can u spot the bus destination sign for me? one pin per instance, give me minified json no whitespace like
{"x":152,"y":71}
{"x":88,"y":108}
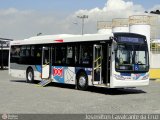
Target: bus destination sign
{"x":130,"y":40}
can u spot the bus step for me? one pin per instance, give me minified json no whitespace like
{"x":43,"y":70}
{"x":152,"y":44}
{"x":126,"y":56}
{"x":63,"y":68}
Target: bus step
{"x":43,"y":83}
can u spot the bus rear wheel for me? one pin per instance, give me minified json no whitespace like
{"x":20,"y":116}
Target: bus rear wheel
{"x":82,"y":81}
{"x":30,"y":76}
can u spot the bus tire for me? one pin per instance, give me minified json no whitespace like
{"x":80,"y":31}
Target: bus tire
{"x":82,"y":81}
{"x":30,"y":75}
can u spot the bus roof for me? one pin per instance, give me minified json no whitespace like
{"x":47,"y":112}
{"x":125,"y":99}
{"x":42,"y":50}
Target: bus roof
{"x":62,"y":38}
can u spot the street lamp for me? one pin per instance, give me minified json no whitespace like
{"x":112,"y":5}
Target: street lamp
{"x":82,"y":17}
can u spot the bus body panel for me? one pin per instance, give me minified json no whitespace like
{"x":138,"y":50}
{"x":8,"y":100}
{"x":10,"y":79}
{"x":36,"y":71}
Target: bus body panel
{"x":126,"y":79}
{"x":59,"y":74}
{"x":120,"y":80}
{"x":19,"y":71}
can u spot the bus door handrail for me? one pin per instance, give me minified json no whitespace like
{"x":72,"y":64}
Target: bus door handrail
{"x":97,"y":59}
{"x":98,"y":66}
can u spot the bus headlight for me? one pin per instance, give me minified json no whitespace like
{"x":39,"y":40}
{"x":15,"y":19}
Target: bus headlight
{"x":119,"y":77}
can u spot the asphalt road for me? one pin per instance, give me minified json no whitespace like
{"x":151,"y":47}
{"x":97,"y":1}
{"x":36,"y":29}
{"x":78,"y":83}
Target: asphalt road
{"x":17,"y":96}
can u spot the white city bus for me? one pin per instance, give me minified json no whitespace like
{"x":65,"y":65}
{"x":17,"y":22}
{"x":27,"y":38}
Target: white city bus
{"x":117,"y":60}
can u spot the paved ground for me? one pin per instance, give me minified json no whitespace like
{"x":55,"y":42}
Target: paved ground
{"x":20,"y":97}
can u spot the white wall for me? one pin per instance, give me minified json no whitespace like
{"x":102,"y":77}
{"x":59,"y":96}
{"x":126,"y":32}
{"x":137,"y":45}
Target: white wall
{"x":154,"y":60}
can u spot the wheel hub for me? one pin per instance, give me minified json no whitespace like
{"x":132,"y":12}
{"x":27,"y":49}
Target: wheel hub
{"x":30,"y":76}
{"x":82,"y":81}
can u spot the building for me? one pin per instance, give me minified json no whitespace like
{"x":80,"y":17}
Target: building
{"x":4,"y":52}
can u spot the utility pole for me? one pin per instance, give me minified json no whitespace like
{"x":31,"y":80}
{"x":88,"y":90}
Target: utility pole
{"x":82,"y":17}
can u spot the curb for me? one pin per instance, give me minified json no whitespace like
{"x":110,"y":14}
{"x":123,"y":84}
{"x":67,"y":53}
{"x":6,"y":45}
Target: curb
{"x":153,"y":79}
{"x":158,"y":80}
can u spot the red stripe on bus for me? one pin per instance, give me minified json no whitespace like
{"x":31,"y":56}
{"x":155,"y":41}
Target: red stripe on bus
{"x":58,"y":40}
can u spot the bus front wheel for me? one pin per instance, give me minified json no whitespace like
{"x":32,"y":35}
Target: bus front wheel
{"x":82,"y":81}
{"x":30,"y":75}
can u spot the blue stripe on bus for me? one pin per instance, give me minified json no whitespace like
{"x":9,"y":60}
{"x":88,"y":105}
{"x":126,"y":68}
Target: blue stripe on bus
{"x":87,"y":70}
{"x":125,"y":74}
{"x":38,"y":68}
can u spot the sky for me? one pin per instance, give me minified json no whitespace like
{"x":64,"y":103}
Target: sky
{"x":20,"y":19}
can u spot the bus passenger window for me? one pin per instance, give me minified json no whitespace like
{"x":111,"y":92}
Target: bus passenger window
{"x":38,"y":51}
{"x":60,"y":57}
{"x":28,"y":51}
{"x":15,"y":51}
{"x":86,"y":58}
{"x":37,"y":54}
{"x":86,"y":55}
{"x":70,"y":56}
{"x":53,"y":55}
{"x":32,"y":51}
{"x":76,"y":55}
{"x":23,"y":51}
{"x":15,"y":54}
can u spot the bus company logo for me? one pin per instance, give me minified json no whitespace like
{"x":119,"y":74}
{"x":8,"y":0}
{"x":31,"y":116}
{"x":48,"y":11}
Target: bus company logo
{"x":4,"y":116}
{"x":58,"y":72}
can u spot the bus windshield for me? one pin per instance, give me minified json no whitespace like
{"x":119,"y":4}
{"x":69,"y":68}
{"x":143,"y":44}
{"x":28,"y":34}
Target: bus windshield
{"x":132,"y":58}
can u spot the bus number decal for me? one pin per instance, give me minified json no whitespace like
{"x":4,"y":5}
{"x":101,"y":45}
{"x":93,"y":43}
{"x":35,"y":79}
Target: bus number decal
{"x":58,"y":72}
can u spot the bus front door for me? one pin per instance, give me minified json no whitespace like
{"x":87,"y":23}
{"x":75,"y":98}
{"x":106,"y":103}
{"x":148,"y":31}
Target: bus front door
{"x":45,"y":63}
{"x":97,"y":64}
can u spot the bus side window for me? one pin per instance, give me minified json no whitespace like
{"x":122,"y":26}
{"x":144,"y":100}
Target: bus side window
{"x":76,"y":55}
{"x":86,"y":58}
{"x":38,"y":51}
{"x":37,"y":54}
{"x":28,"y":51}
{"x":23,"y":51}
{"x":15,"y":51}
{"x":15,"y":54}
{"x":60,"y":55}
{"x":32,"y":50}
{"x":53,"y":55}
{"x":86,"y":54}
{"x":70,"y":55}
